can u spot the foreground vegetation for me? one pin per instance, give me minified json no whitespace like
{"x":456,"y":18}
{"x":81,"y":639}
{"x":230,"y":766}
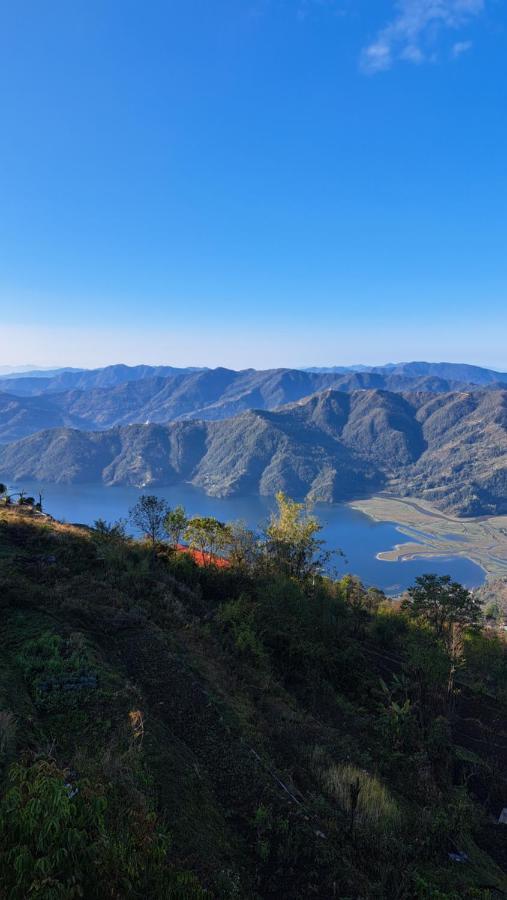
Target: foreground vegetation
{"x":251,"y":731}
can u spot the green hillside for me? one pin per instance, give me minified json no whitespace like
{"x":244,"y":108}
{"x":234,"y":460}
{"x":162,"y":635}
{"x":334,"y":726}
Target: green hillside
{"x":255,"y":731}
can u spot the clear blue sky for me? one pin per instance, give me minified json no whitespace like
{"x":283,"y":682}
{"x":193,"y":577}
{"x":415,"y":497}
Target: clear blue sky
{"x":253,"y":182}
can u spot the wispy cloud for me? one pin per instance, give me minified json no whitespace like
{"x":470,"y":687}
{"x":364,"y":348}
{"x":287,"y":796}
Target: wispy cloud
{"x":413,"y":28}
{"x":460,"y":47}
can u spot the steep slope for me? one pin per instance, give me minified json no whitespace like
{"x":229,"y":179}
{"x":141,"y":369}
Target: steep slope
{"x":20,"y":416}
{"x":465,"y":464}
{"x":177,"y":732}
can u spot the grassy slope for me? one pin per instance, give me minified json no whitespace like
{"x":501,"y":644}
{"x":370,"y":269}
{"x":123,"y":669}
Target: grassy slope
{"x":244,"y":740}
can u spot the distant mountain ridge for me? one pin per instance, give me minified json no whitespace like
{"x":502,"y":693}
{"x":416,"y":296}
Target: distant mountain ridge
{"x":462,"y":372}
{"x":57,"y":380}
{"x":27,"y":381}
{"x":448,"y":448}
{"x":120,"y":395}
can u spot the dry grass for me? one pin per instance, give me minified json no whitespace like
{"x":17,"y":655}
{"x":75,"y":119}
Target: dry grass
{"x":377,"y":810}
{"x":27,"y":516}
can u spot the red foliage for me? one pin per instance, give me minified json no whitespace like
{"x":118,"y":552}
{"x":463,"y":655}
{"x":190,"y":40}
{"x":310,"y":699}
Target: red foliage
{"x":204,"y":559}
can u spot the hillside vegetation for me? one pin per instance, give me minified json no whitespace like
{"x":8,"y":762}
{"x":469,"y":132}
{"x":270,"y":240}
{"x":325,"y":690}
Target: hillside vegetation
{"x":251,"y":731}
{"x":449,"y":449}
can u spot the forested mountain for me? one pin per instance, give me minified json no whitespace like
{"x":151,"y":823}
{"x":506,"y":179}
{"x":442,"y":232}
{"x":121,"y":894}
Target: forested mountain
{"x":122,"y":396}
{"x":448,"y":448}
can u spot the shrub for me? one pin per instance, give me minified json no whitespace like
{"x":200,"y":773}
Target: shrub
{"x":47,"y":839}
{"x":239,"y":618}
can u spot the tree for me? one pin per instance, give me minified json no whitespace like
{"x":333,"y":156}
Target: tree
{"x":444,"y":604}
{"x":355,"y":596}
{"x":292,"y":545}
{"x":148,"y":516}
{"x":243,"y":546}
{"x":175,"y":524}
{"x":3,"y":489}
{"x":208,"y":536}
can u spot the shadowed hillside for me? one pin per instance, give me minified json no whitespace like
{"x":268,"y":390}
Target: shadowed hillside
{"x":176,"y":731}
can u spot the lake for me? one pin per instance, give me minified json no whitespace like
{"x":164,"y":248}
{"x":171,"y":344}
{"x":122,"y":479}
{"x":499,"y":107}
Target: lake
{"x":359,"y":537}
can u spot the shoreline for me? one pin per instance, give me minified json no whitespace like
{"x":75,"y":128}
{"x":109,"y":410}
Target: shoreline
{"x":408,"y":557}
{"x":435,"y":535}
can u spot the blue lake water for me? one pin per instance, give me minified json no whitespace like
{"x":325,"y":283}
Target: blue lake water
{"x":358,"y":536}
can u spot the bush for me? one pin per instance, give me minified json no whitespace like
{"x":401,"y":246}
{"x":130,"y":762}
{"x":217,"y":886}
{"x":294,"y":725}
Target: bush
{"x":238,"y":617}
{"x":48,"y":840}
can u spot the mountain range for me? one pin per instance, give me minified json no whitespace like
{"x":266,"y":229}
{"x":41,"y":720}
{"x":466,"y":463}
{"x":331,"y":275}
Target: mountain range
{"x":449,"y":448}
{"x":121,"y":395}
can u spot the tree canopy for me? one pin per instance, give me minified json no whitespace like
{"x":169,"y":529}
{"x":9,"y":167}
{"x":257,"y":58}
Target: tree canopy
{"x":148,"y":515}
{"x":175,"y":523}
{"x":208,"y":536}
{"x":292,"y":543}
{"x":443,"y":603}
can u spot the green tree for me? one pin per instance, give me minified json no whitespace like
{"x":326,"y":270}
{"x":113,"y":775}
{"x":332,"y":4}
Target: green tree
{"x":148,"y":516}
{"x":444,"y":604}
{"x":208,"y":536}
{"x":292,"y":545}
{"x":175,"y":524}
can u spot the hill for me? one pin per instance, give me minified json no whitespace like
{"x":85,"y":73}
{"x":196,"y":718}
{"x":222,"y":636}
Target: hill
{"x":450,"y":449}
{"x":193,"y":733}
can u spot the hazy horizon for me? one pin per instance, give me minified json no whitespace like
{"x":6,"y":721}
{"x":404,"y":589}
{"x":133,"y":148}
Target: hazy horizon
{"x":23,"y":368}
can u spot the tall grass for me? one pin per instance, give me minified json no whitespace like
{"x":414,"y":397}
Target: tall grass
{"x":377,"y":810}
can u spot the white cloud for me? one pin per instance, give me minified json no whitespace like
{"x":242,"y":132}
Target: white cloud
{"x":460,"y":47}
{"x":413,"y":26}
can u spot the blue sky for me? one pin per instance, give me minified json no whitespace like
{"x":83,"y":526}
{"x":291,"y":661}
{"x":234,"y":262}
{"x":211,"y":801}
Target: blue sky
{"x":253,"y":182}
